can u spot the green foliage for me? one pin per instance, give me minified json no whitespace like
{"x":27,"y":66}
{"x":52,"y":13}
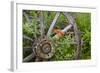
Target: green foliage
{"x":84,"y":22}
{"x":64,"y":49}
{"x":86,"y":51}
{"x":48,"y":17}
{"x":27,"y":30}
{"x":63,"y":46}
{"x":61,"y":22}
{"x":31,"y":29}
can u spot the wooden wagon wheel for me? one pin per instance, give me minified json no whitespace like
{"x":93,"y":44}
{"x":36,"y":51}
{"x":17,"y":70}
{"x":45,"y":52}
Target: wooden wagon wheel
{"x":45,"y":43}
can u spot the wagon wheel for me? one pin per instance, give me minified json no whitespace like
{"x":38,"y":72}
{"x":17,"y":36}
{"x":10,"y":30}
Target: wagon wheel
{"x":43,"y":45}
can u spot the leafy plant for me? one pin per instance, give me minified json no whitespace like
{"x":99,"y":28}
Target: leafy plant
{"x":63,"y":46}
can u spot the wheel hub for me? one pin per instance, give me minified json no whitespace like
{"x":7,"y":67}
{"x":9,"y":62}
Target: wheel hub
{"x":44,"y":48}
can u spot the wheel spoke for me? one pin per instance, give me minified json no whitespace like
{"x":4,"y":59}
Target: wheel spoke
{"x":28,"y":38}
{"x":53,"y":23}
{"x":69,"y":33}
{"x":29,"y":57}
{"x":27,"y":47}
{"x":67,"y":28}
{"x":41,"y":18}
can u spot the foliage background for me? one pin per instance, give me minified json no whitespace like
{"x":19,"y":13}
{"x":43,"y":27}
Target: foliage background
{"x":65,"y":50}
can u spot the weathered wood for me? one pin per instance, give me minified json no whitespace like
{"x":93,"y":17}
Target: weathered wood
{"x":29,"y":57}
{"x":53,"y":23}
{"x":27,"y":49}
{"x":67,"y":28}
{"x":28,"y":38}
{"x":41,"y":17}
